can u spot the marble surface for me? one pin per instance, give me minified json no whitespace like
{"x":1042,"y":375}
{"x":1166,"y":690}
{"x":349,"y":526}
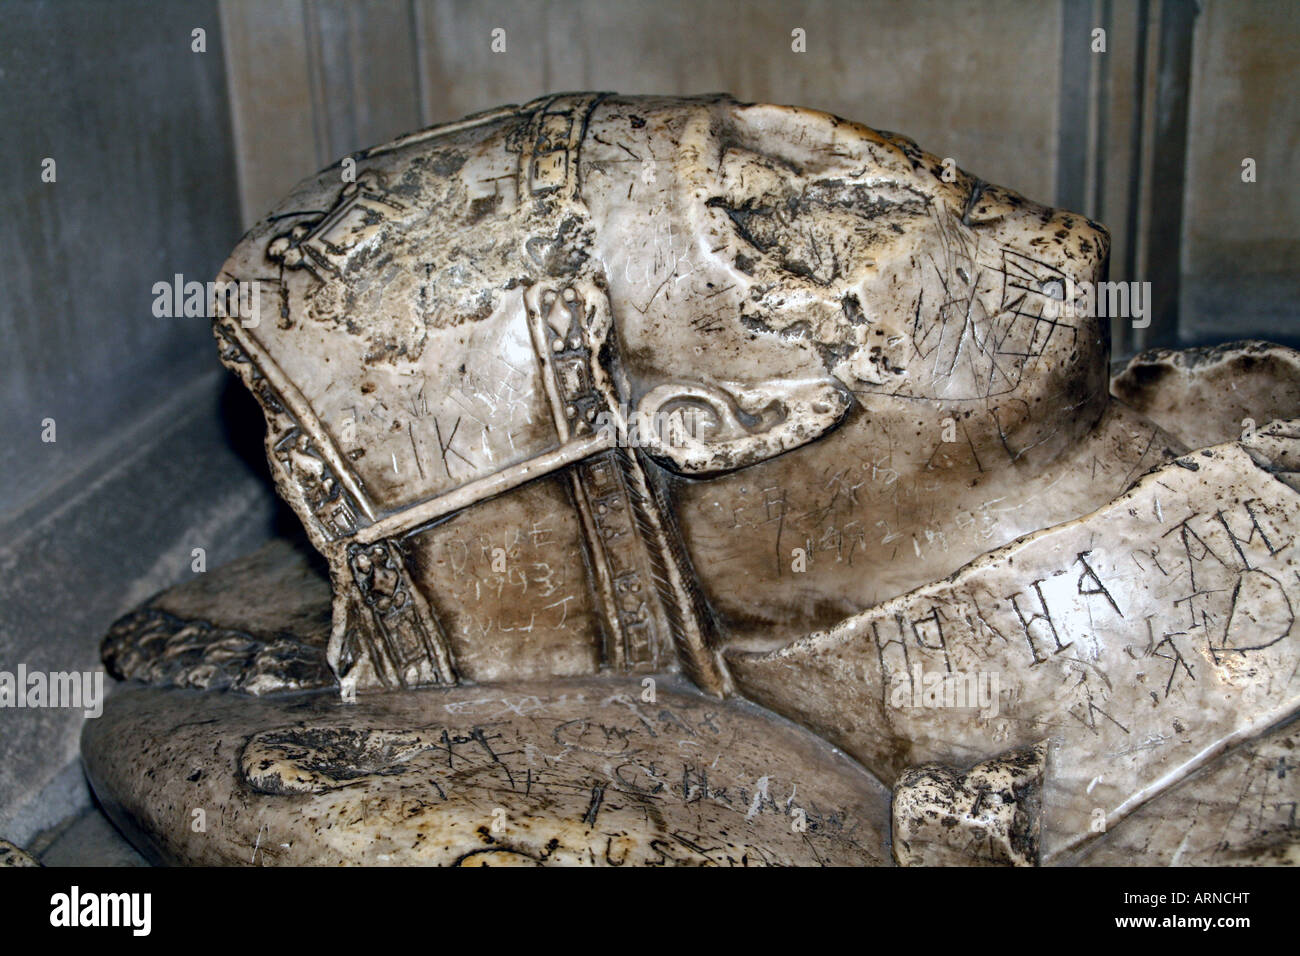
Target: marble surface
{"x":573,"y":772}
{"x":1239,"y":810}
{"x":761,"y":405}
{"x":852,"y":329}
{"x":1210,"y":395}
{"x":990,"y":815}
{"x":1143,"y":640}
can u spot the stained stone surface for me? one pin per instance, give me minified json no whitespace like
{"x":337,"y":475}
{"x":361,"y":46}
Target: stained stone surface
{"x":452,"y":346}
{"x":989,"y":815}
{"x":1209,"y":395}
{"x":257,"y":625}
{"x":1238,"y":811}
{"x":1144,"y":639}
{"x":570,"y":772}
{"x":11,"y":855}
{"x":603,"y":387}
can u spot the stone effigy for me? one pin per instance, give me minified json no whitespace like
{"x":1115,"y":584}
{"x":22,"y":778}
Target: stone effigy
{"x":654,"y":454}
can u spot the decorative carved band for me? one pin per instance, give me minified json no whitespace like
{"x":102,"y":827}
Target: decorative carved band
{"x":407,"y":646}
{"x":638,"y":563}
{"x":549,"y":163}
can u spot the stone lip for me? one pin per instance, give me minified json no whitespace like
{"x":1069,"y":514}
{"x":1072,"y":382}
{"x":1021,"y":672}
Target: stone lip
{"x":573,"y":772}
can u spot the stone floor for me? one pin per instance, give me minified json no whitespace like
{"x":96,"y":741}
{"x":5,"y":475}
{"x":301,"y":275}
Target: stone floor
{"x":85,"y":840}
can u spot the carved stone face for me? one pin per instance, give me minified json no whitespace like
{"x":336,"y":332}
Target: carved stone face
{"x":455,"y":331}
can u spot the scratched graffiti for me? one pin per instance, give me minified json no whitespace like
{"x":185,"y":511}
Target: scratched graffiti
{"x":618,"y":746}
{"x":514,"y":599}
{"x":1134,"y":654}
{"x":570,"y":772}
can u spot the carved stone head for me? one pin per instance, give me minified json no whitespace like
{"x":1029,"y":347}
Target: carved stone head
{"x":553,"y":388}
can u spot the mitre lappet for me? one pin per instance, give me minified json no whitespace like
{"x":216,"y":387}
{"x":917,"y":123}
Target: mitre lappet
{"x":698,"y":481}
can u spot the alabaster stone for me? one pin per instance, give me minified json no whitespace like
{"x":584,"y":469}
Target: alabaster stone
{"x":989,"y":815}
{"x":1211,"y":395}
{"x":1142,"y":639}
{"x":257,"y":625}
{"x":481,"y":343}
{"x":1240,"y":810}
{"x":780,"y":414}
{"x":13,"y":856}
{"x":572,"y":771}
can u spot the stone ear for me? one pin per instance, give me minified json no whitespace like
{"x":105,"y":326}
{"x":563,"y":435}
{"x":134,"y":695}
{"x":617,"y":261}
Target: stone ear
{"x":702,"y":429}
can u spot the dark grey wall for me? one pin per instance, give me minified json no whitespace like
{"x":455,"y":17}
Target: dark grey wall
{"x":143,"y":468}
{"x":140,"y":131}
{"x":1242,"y":242}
